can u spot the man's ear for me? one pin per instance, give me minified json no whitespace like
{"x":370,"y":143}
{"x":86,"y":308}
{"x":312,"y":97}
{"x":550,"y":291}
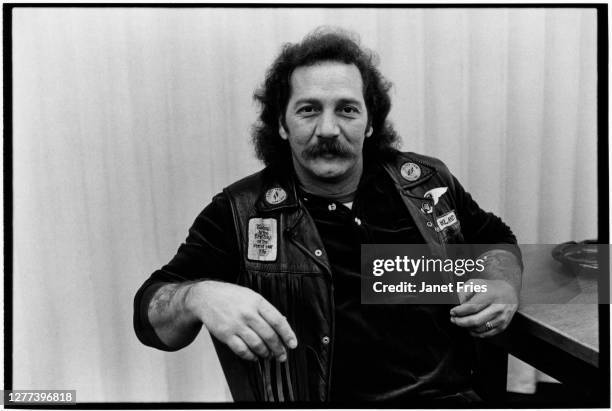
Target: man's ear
{"x":282,"y":131}
{"x":369,"y":132}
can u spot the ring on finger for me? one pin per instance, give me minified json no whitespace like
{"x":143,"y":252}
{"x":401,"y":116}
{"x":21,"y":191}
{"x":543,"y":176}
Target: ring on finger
{"x":489,"y":326}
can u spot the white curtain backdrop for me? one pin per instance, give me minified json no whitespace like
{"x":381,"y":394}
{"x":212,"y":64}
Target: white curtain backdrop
{"x":128,"y":120}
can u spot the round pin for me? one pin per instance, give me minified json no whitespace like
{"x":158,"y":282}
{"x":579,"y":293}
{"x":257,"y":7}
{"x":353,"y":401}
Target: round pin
{"x":410,"y":171}
{"x":276,"y":195}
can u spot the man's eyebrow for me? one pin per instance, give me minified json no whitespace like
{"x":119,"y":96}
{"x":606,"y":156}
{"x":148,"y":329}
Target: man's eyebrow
{"x":316,"y":101}
{"x":306,"y":101}
{"x":350,"y":101}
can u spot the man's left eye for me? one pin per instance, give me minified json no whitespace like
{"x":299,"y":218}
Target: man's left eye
{"x":349,"y":110}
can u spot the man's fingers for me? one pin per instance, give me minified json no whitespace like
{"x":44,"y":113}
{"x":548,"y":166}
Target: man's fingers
{"x":464,"y":296}
{"x":255,"y":343}
{"x":269,"y":337}
{"x":486,"y":308}
{"x":467,"y":309}
{"x":493,"y":323}
{"x":474,"y":303}
{"x":476,"y":320}
{"x":279,"y":323}
{"x":240,"y":348}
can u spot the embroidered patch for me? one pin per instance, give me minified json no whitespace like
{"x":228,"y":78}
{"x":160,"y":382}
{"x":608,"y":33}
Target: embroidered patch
{"x":410,"y":171}
{"x":447,"y":220}
{"x":276,"y":195}
{"x":263,"y":242}
{"x":436,"y":193}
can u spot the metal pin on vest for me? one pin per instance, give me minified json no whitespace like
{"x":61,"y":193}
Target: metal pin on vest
{"x":410,"y":171}
{"x":275,"y":195}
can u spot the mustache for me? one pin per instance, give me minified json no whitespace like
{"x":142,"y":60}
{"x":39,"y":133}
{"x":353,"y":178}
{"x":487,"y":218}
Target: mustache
{"x":328,"y":147}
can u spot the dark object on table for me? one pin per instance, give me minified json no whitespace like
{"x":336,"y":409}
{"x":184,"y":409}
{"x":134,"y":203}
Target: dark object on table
{"x":579,"y":257}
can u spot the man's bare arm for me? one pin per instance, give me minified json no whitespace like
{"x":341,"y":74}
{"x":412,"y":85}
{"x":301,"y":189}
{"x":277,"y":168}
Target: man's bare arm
{"x":174,"y":324}
{"x":235,"y":315}
{"x":502,"y":265}
{"x":489,"y":313}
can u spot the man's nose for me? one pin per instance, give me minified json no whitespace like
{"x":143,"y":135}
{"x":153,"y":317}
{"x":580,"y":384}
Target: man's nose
{"x":327,"y":126}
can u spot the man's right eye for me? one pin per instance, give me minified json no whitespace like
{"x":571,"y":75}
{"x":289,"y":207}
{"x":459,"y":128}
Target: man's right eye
{"x":307,"y":110}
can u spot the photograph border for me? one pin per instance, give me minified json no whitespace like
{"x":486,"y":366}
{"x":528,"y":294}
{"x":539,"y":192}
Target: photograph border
{"x":603,"y":217}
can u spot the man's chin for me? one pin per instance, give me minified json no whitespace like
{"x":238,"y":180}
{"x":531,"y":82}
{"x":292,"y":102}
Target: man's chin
{"x":329,"y":172}
{"x":329,"y":176}
{"x":328,"y":169}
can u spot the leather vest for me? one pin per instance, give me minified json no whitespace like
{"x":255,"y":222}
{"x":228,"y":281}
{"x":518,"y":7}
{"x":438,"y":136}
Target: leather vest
{"x":284,"y":260}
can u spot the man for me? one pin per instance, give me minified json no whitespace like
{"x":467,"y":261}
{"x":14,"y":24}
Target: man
{"x":271,"y":267}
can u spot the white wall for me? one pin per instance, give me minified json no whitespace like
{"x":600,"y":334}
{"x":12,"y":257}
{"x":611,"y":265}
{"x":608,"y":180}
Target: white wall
{"x":127,"y":121}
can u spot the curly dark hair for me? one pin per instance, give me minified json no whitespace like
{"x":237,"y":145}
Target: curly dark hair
{"x":323,"y":44}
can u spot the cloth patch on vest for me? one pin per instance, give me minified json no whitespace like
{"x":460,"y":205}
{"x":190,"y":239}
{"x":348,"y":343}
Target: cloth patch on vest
{"x":447,"y":220}
{"x":263,"y":241}
{"x":410,"y":171}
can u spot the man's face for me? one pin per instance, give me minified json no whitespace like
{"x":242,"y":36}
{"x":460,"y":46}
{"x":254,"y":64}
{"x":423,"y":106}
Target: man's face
{"x":326,"y":120}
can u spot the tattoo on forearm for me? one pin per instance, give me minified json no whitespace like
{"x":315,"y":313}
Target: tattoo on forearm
{"x":503,"y":265}
{"x":499,"y":260}
{"x":162,"y":298}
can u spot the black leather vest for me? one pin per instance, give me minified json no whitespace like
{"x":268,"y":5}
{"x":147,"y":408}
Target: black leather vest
{"x":284,"y":260}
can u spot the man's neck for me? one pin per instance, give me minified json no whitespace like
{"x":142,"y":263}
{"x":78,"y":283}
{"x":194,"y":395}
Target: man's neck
{"x":339,"y":189}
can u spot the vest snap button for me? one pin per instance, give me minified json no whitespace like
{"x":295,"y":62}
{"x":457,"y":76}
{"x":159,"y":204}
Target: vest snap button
{"x":357,"y":221}
{"x":325,"y":340}
{"x":331,"y":207}
{"x":429,"y":224}
{"x":318,"y":252}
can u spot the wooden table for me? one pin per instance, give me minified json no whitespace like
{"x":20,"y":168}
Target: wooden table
{"x":556,"y":328}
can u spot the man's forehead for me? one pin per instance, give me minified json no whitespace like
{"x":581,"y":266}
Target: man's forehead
{"x":327,"y":78}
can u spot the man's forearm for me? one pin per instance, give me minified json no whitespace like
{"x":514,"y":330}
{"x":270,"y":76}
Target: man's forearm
{"x":502,"y":265}
{"x":173,"y":323}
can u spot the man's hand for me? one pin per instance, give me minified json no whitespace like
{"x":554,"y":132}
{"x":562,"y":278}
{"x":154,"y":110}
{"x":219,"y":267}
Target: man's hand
{"x":242,"y":319}
{"x":486,"y":313}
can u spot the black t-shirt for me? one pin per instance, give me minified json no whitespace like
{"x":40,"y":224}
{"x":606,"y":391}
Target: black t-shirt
{"x":381,"y":352}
